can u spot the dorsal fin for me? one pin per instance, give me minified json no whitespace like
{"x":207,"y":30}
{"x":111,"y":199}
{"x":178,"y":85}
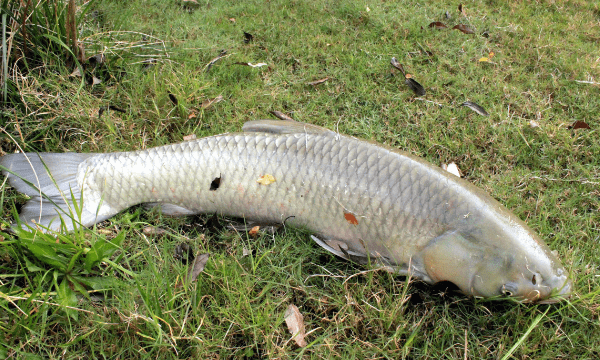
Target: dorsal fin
{"x":283,"y":127}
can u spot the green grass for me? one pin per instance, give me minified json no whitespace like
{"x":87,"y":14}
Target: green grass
{"x":548,"y":175}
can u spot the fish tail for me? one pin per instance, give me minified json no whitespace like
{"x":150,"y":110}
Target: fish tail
{"x":51,"y":182}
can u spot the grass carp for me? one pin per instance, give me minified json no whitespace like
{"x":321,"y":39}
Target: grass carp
{"x":365,"y":202}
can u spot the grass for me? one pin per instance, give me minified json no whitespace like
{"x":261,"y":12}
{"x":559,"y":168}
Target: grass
{"x":545,"y":69}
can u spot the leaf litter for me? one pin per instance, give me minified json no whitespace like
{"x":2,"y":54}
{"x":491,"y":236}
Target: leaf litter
{"x":295,"y":323}
{"x":579,"y":125}
{"x":197,"y":267}
{"x":475,"y":107}
{"x":408,"y":79}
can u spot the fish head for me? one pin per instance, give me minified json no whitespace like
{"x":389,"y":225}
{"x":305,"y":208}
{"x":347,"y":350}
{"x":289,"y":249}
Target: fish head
{"x":520,"y":266}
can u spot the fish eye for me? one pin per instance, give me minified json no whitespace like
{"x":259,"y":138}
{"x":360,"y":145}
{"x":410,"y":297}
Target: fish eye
{"x":509,"y":289}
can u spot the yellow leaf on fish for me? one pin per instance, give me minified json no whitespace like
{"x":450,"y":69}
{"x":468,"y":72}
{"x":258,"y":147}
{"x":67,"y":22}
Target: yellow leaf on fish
{"x":266,"y":179}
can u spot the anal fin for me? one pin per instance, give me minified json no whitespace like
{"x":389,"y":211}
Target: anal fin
{"x":171,"y":210}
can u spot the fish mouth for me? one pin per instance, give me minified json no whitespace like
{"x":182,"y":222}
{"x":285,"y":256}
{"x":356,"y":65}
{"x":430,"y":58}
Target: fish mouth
{"x":559,"y":294}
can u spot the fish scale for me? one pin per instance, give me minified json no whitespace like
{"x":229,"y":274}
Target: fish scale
{"x":364,"y":201}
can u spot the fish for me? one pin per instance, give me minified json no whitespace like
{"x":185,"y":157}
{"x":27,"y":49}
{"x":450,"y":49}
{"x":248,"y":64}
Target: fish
{"x":362,"y":201}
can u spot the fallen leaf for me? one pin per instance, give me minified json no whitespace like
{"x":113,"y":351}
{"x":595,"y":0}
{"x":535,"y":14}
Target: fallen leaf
{"x":484,"y":59}
{"x":579,"y":125}
{"x":415,"y":86}
{"x":197,"y":267}
{"x":295,"y":323}
{"x":266,"y":179}
{"x":491,"y":55}
{"x":232,"y":20}
{"x":533,"y":124}
{"x":210,"y":102}
{"x":213,"y":61}
{"x":452,"y":168}
{"x":246,"y":252}
{"x":438,"y":25}
{"x":173,"y":99}
{"x":398,"y":66}
{"x":350,"y":218}
{"x":478,"y":109}
{"x":96,"y":81}
{"x":317,"y":82}
{"x":151,"y":230}
{"x":254,"y":231}
{"x":189,"y":137}
{"x":248,"y":37}
{"x":76,"y":72}
{"x":214,"y":185}
{"x":115,"y":108}
{"x":192,"y":115}
{"x":461,"y":9}
{"x":281,"y":116}
{"x":448,"y":15}
{"x":464,"y":28}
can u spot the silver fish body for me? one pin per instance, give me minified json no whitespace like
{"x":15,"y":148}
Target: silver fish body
{"x":363,"y":201}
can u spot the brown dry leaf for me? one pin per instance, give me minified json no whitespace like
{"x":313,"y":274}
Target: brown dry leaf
{"x":398,"y":66}
{"x":189,"y":137}
{"x":438,"y":25}
{"x":210,"y":102}
{"x":295,"y":323}
{"x":76,"y":72}
{"x":281,"y":116}
{"x":491,"y":55}
{"x":464,"y":28}
{"x":254,"y":231}
{"x":151,"y":230}
{"x":95,"y":80}
{"x":197,"y":267}
{"x":192,"y":115}
{"x":317,"y":82}
{"x":266,"y":179}
{"x":579,"y":125}
{"x":350,"y":218}
{"x":414,"y":86}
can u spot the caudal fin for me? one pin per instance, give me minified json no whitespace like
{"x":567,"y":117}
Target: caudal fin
{"x":51,"y":182}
